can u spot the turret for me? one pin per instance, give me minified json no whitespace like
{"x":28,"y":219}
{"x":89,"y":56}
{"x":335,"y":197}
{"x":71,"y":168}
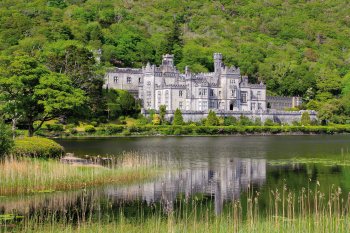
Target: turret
{"x":168,"y":60}
{"x":217,"y":62}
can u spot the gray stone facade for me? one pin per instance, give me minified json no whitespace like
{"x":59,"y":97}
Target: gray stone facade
{"x":225,"y":89}
{"x":274,"y":115}
{"x":283,"y":102}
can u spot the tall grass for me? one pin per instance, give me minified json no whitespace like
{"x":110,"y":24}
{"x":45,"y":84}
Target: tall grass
{"x":30,"y":175}
{"x":305,"y":210}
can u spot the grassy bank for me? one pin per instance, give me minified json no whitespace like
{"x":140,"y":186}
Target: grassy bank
{"x":221,"y":225}
{"x":192,"y":130}
{"x":306,"y":210}
{"x":24,"y":175}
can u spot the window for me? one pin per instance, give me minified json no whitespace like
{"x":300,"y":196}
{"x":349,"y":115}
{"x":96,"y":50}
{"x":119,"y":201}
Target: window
{"x":140,"y":80}
{"x":244,"y":97}
{"x":219,"y":93}
{"x":232,"y":81}
{"x":166,"y":97}
{"x":180,"y":93}
{"x":180,"y":105}
{"x":159,"y":97}
{"x":212,"y":104}
{"x":128,"y":80}
{"x":116,"y":79}
{"x":205,"y":105}
{"x":211,"y":92}
{"x":253,"y":106}
{"x":202,"y":92}
{"x":259,"y":106}
{"x":258,"y":95}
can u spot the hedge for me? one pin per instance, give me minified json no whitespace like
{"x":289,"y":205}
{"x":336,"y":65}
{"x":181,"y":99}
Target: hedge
{"x":37,"y":147}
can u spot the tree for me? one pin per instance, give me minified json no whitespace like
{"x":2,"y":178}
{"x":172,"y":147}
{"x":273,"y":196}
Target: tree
{"x":178,"y":119}
{"x":162,"y":112}
{"x":6,"y":142}
{"x":305,"y":118}
{"x":212,"y":119}
{"x":38,"y":94}
{"x":156,"y":119}
{"x":121,"y":103}
{"x":174,"y":42}
{"x":79,"y":65}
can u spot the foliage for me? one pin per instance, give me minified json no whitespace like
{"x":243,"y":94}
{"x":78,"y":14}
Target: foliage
{"x":230,"y":121}
{"x":121,"y":103}
{"x":269,"y":122}
{"x":156,"y":119}
{"x":298,"y":48}
{"x":162,"y":112}
{"x":36,"y":93}
{"x":212,"y":119}
{"x":243,"y":120}
{"x":6,"y":142}
{"x":113,"y":129}
{"x":37,"y":147}
{"x":33,"y":175}
{"x":90,"y":129}
{"x":178,"y":119}
{"x":305,"y":118}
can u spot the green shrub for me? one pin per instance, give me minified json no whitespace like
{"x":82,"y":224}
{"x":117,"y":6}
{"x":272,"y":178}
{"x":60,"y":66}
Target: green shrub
{"x":305,"y":118}
{"x":94,"y":123}
{"x":113,"y":129}
{"x":243,"y":120}
{"x":90,"y":129}
{"x":6,"y":142}
{"x":212,"y":119}
{"x":230,"y":121}
{"x":54,"y":127}
{"x":73,"y":131}
{"x":37,"y":147}
{"x":126,"y":132}
{"x":269,"y":122}
{"x":178,"y":119}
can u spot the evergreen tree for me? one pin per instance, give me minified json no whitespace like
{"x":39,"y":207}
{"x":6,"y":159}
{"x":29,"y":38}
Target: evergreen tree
{"x":178,"y":119}
{"x":305,"y":118}
{"x":174,"y":42}
{"x":212,"y":119}
{"x":162,"y":112}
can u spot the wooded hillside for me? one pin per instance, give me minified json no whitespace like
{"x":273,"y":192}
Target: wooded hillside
{"x":297,"y":47}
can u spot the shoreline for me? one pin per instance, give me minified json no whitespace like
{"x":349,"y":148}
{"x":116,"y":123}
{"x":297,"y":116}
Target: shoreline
{"x":184,"y":135}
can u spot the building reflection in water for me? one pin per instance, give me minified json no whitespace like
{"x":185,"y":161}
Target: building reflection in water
{"x":223,"y":179}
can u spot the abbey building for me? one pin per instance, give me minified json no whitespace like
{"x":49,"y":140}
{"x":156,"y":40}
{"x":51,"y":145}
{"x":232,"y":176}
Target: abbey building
{"x":225,"y":89}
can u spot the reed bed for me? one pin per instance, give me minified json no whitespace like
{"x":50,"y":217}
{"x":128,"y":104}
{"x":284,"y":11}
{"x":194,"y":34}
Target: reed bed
{"x":305,"y":210}
{"x":32,"y":175}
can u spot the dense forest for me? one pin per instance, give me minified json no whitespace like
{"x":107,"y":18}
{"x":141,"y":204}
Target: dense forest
{"x":296,"y":47}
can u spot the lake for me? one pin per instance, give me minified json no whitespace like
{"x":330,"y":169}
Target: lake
{"x":215,"y":170}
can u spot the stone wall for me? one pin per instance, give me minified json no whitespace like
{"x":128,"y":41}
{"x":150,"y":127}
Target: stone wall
{"x":276,"y":116}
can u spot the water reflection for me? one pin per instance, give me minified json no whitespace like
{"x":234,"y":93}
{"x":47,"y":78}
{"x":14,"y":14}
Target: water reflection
{"x":223,"y":182}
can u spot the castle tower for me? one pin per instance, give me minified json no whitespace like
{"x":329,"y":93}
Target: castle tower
{"x":217,"y":62}
{"x":168,"y":60}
